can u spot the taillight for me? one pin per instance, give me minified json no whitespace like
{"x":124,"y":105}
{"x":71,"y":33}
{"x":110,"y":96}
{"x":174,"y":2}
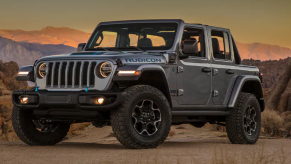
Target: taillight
{"x":261,"y":77}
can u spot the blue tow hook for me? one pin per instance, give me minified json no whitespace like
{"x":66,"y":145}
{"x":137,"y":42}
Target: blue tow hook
{"x":86,"y":90}
{"x":36,"y":89}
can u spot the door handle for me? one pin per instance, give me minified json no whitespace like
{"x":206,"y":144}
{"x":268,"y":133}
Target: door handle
{"x":206,"y":69}
{"x":229,"y":71}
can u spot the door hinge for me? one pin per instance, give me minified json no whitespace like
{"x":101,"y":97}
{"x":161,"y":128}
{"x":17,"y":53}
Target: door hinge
{"x":180,"y":92}
{"x":214,"y":93}
{"x":180,"y":69}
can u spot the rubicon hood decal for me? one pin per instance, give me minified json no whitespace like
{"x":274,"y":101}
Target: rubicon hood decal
{"x":143,"y":60}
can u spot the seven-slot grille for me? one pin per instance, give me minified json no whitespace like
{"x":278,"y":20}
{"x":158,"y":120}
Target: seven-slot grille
{"x":71,"y":74}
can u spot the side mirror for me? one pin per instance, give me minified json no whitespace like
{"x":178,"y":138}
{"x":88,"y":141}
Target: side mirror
{"x":25,"y":73}
{"x":81,"y":47}
{"x":181,"y":57}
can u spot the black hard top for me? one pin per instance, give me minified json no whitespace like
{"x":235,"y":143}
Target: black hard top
{"x":178,"y":21}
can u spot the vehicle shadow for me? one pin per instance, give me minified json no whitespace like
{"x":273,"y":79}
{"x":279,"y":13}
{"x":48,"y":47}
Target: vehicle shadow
{"x":167,"y":144}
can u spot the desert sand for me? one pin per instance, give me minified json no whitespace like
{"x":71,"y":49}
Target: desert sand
{"x":185,"y":144}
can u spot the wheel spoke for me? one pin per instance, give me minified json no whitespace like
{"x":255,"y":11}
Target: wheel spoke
{"x":249,"y":120}
{"x":146,"y":117}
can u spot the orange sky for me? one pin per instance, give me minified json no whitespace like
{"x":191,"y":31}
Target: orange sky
{"x":264,"y":21}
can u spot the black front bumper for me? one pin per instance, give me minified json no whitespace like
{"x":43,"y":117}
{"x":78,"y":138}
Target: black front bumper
{"x":79,"y":100}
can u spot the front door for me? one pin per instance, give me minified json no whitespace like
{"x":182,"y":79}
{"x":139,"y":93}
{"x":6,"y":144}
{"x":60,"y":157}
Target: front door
{"x":194,"y":73}
{"x":194,"y":82}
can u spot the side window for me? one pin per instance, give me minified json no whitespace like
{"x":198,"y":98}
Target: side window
{"x":220,"y":45}
{"x":193,"y":43}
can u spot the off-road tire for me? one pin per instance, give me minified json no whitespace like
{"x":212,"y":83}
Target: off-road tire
{"x":27,"y":132}
{"x":121,"y":118}
{"x":235,"y":121}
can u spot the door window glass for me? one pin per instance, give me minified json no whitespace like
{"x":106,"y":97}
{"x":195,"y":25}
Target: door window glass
{"x":220,"y":45}
{"x":193,"y":43}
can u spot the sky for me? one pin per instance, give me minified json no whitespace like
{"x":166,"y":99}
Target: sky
{"x":264,"y":21}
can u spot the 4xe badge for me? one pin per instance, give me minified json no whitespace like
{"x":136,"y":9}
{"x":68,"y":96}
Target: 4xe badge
{"x":173,"y":92}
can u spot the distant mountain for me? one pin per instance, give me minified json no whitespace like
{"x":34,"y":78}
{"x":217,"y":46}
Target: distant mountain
{"x":259,"y":51}
{"x":48,"y":35}
{"x":26,"y":53}
{"x":72,"y":37}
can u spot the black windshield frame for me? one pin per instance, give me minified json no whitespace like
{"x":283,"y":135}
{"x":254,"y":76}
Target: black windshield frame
{"x":167,"y":31}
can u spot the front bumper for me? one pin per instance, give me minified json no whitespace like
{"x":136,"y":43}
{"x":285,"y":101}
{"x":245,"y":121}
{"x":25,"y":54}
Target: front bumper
{"x":79,"y":100}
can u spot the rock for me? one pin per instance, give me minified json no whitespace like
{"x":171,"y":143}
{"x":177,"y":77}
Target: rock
{"x":279,"y":96}
{"x":2,"y":75}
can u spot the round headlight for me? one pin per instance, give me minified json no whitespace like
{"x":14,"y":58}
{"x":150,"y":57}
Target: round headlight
{"x":42,"y":70}
{"x":105,"y":69}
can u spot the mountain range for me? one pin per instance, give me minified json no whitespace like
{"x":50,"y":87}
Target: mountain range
{"x":26,"y":46}
{"x":48,"y":35}
{"x":26,"y":53}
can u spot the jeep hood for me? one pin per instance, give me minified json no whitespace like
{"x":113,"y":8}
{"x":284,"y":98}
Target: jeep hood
{"x":125,"y":57}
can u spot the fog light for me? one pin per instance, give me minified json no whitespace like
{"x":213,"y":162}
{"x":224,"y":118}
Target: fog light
{"x":24,"y":100}
{"x":99,"y":100}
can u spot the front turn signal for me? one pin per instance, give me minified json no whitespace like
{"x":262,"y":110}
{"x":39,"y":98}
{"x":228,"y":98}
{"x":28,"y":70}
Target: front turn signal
{"x":128,"y":73}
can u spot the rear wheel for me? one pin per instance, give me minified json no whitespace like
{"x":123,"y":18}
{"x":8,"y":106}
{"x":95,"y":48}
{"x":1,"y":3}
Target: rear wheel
{"x":34,"y":131}
{"x":144,"y":119}
{"x":243,"y":126}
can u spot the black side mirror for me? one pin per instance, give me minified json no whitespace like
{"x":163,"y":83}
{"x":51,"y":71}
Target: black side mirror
{"x":81,"y":47}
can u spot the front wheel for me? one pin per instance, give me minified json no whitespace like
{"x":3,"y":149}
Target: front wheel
{"x":144,"y":119}
{"x":243,"y":126}
{"x":35,"y":132}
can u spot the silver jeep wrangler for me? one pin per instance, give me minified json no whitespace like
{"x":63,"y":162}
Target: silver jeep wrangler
{"x":141,"y":77}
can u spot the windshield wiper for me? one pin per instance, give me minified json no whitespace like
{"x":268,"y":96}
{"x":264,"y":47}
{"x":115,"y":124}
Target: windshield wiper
{"x":93,"y":49}
{"x":137,"y":48}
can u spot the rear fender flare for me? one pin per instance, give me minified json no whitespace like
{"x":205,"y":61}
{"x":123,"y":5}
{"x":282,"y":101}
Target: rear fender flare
{"x":238,"y":86}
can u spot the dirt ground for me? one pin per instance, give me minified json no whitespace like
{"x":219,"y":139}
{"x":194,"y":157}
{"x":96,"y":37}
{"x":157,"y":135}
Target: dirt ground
{"x":186,"y":144}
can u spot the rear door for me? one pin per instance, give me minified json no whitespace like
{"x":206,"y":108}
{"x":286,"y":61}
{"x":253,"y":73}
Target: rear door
{"x":223,"y":65}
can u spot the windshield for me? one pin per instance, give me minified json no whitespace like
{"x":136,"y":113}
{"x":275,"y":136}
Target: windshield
{"x":133,"y":37}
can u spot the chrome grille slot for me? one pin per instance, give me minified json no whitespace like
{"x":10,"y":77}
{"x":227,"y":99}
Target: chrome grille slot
{"x":71,"y":74}
{"x":92,"y":74}
{"x":63,"y":74}
{"x":56,"y":74}
{"x":77,"y":75}
{"x":49,"y":75}
{"x":85,"y":74}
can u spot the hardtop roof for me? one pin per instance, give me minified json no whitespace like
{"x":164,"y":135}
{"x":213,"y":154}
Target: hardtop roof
{"x":179,"y":21}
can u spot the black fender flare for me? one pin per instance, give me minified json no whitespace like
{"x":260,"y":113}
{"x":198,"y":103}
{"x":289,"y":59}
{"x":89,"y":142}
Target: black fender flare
{"x":238,"y":86}
{"x":143,"y":69}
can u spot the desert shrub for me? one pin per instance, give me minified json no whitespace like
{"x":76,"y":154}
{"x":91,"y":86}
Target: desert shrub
{"x":78,"y":127}
{"x":272,"y":122}
{"x":181,"y":127}
{"x":287,"y":118}
{"x":287,"y":127}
